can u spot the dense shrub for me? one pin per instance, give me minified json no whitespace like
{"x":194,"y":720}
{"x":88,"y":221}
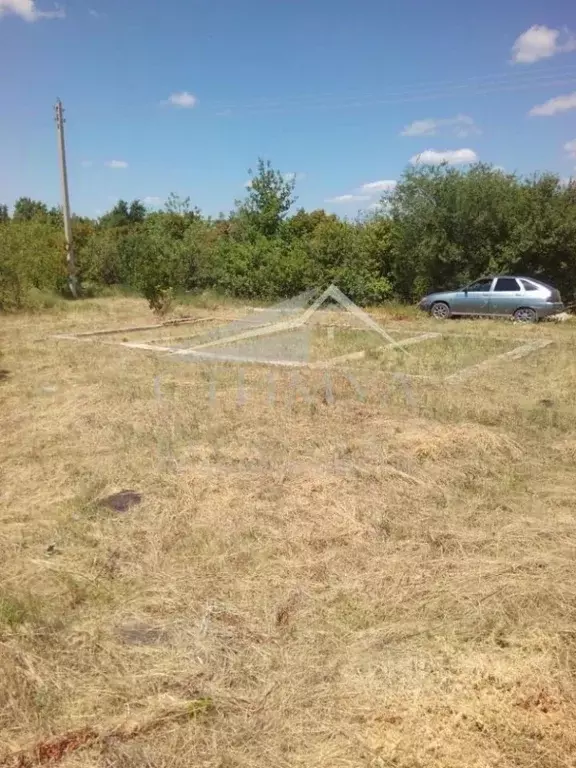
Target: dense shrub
{"x":31,"y":257}
{"x":440,"y":228}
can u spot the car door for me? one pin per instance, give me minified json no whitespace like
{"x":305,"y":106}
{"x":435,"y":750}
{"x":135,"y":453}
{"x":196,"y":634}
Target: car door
{"x":505,"y":296}
{"x":474,"y":299}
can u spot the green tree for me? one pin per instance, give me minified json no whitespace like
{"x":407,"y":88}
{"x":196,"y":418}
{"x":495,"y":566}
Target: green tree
{"x":31,"y":258}
{"x":303,"y":223}
{"x":270,"y":196}
{"x":543,"y":240}
{"x":181,"y":207}
{"x":26,"y":209}
{"x":99,"y":258}
{"x":119,"y":216}
{"x":55,"y":216}
{"x":450,"y":226}
{"x":136,"y":212}
{"x":343,"y":253}
{"x":4,"y":214}
{"x":159,"y":268}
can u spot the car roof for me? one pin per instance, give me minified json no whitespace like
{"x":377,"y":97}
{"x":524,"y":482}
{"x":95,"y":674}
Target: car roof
{"x":515,"y":277}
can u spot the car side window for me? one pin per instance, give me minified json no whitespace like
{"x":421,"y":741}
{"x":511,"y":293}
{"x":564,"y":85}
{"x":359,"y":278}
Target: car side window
{"x":480,"y":286}
{"x":528,"y":286}
{"x":506,"y":284}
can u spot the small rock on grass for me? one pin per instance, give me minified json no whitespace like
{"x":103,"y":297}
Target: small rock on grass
{"x":121,"y":501}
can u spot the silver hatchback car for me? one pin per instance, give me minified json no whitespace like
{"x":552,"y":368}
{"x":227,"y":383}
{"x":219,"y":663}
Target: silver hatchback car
{"x":523,"y":298}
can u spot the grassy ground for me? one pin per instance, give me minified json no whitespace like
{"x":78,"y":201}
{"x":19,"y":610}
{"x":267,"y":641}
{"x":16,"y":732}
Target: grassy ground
{"x":340,"y":581}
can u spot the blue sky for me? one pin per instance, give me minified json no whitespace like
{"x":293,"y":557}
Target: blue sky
{"x":184,"y":95}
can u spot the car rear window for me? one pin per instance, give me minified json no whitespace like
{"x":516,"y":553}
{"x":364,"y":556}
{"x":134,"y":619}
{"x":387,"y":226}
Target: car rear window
{"x":506,"y":284}
{"x":528,"y":286}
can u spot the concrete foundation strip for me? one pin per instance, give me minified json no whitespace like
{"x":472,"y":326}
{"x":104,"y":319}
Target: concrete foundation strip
{"x":132,"y":328}
{"x":514,"y":354}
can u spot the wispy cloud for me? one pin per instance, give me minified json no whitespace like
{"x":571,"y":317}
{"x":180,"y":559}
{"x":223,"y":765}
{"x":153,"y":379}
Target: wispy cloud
{"x":86,"y":163}
{"x":377,"y":187}
{"x":450,"y":156}
{"x":27,"y":10}
{"x":347,"y":199}
{"x":570,"y":147}
{"x":182,"y":99}
{"x":94,"y":14}
{"x":365,"y":192}
{"x":461,"y":126}
{"x":554,"y":106}
{"x":542,"y":42}
{"x":116,"y":164}
{"x":152,"y":200}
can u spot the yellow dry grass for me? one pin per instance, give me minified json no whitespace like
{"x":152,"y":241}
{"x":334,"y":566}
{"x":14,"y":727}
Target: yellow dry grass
{"x":379,"y":583}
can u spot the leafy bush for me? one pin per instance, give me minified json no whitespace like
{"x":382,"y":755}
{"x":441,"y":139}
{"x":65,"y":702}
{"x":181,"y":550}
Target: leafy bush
{"x":31,"y":257}
{"x":441,"y":228}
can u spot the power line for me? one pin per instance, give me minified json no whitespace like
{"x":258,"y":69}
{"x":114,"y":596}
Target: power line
{"x":408,"y":98}
{"x":415,"y":93}
{"x":532,"y":79}
{"x":532,"y":76}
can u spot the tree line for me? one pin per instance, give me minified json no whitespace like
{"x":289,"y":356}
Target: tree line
{"x":440,"y":228}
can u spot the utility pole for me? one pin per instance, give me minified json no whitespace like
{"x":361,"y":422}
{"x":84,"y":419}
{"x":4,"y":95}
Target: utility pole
{"x":70,"y":262}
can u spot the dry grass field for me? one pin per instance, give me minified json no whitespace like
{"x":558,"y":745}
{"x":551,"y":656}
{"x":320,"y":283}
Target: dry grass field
{"x":322,"y":582}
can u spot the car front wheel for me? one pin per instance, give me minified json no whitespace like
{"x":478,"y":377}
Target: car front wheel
{"x":440,"y":310}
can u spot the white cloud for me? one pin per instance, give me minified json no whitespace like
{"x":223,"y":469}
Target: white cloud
{"x":152,"y":200}
{"x":86,"y":163}
{"x":553,"y":106}
{"x":347,"y":199}
{"x":461,"y":126}
{"x":94,"y":13}
{"x":375,"y":207}
{"x":28,"y":11}
{"x":183,"y":99}
{"x":570,"y":147}
{"x":364,"y":193}
{"x":421,"y":128}
{"x":116,"y":164}
{"x":541,"y":42}
{"x":450,"y":156}
{"x":376,"y":187}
